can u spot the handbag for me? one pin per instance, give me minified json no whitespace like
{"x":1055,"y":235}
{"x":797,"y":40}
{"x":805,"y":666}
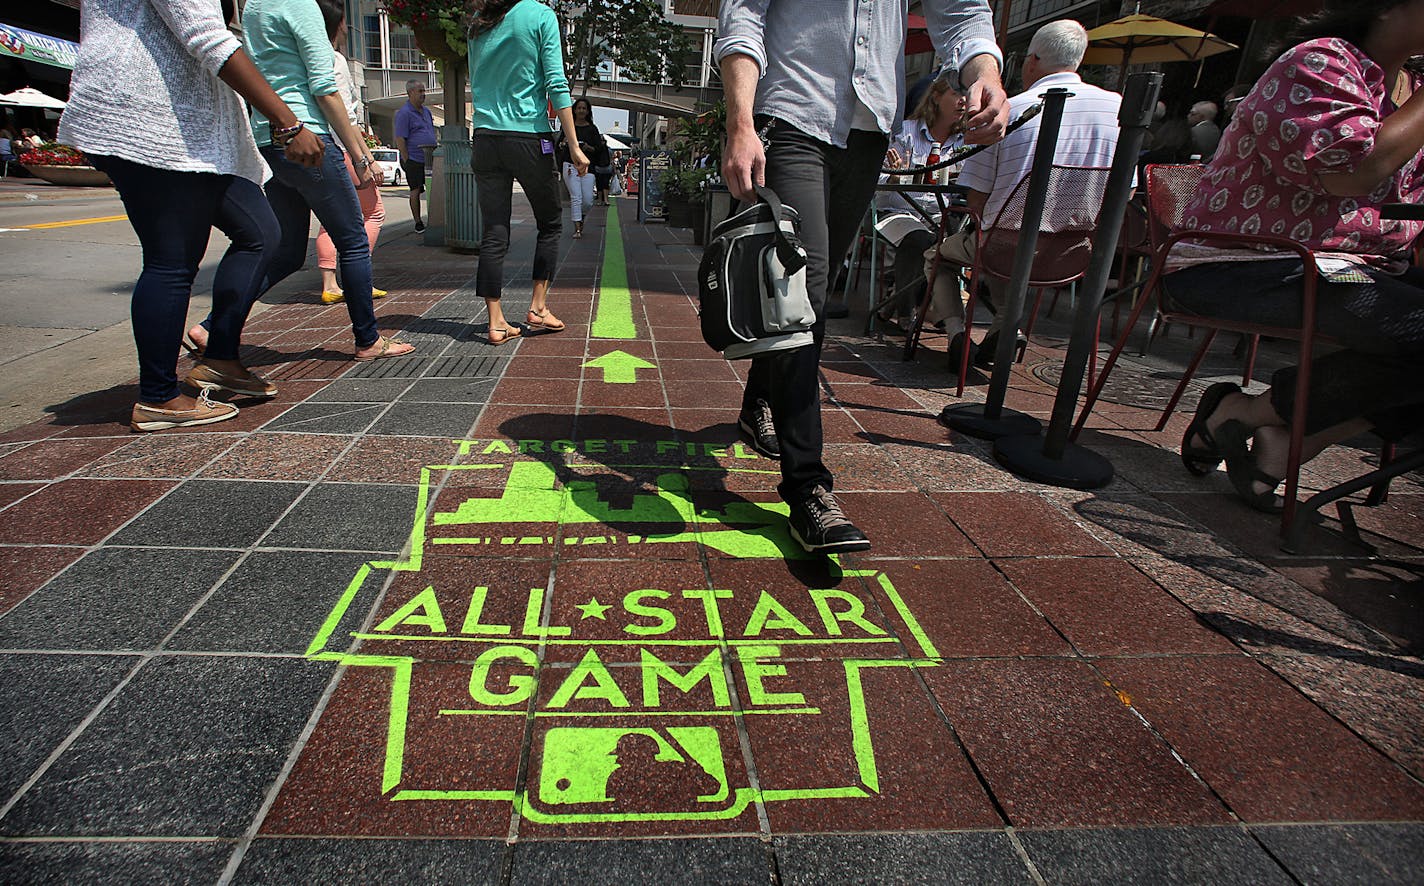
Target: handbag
{"x":752,"y":282}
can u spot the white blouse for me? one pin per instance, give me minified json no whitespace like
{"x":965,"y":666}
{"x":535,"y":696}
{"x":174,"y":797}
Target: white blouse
{"x":145,"y":88}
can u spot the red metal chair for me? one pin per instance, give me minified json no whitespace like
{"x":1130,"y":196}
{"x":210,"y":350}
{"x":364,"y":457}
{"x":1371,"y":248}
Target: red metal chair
{"x":1170,"y":188}
{"x":1064,"y":249}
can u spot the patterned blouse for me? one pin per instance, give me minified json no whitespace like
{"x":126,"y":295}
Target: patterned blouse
{"x":1315,"y":111}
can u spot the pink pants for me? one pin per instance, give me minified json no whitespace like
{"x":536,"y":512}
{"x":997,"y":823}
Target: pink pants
{"x":372,"y":210}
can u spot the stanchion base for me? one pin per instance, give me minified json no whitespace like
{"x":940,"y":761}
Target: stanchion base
{"x":1079,"y":468}
{"x":969,"y":419}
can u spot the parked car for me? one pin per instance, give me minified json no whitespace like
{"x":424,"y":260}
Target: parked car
{"x":389,"y":161}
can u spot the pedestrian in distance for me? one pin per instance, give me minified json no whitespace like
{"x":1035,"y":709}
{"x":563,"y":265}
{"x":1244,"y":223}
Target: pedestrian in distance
{"x":373,"y":209}
{"x":289,"y":45}
{"x":581,"y":185}
{"x":415,"y":134}
{"x":516,"y":62}
{"x":787,"y":73}
{"x":175,"y":189}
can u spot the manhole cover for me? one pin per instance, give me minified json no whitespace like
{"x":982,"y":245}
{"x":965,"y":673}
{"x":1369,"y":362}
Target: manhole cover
{"x":1130,"y":385}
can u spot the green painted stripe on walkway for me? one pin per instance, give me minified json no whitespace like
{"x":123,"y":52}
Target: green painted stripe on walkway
{"x":613,"y":316}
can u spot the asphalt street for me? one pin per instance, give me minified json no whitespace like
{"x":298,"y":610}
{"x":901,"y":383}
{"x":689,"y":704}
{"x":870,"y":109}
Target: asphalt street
{"x":70,"y":258}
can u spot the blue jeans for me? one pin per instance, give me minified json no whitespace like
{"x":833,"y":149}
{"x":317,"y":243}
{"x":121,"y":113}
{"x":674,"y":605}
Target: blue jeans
{"x":295,"y":192}
{"x":173,"y":214}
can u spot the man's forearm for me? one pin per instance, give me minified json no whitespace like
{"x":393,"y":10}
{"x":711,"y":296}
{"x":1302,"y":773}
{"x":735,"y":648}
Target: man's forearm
{"x":739,"y":81}
{"x":980,"y":67}
{"x":403,"y":148}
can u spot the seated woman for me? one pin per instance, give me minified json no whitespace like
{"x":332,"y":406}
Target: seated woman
{"x":1331,"y":132}
{"x":927,"y":133}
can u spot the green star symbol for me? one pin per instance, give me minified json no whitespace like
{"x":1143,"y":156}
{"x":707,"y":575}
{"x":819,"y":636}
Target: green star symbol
{"x":593,"y":609}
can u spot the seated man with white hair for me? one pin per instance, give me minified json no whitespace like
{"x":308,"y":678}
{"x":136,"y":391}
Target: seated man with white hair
{"x":1205,"y":134}
{"x":1087,"y":137}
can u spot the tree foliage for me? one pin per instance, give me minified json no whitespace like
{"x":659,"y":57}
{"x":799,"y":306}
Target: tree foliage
{"x":632,"y":34}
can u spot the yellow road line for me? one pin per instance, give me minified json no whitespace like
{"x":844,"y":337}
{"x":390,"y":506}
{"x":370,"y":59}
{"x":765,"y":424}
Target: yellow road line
{"x":77,"y":221}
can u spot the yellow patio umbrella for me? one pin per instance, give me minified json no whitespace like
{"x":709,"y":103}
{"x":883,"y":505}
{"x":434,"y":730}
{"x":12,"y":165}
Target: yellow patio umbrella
{"x":1141,"y":39}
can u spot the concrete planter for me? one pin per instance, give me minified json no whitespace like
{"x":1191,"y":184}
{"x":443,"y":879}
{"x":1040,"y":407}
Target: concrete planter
{"x":70,"y":176}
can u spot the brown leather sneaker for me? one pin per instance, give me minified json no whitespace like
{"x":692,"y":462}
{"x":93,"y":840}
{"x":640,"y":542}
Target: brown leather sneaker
{"x":209,"y":378}
{"x":206,"y":412}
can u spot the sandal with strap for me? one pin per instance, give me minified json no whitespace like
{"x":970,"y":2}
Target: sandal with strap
{"x":390,"y":347}
{"x":545,"y":320}
{"x":1202,"y":460}
{"x":1233,"y":441}
{"x":503,"y":334}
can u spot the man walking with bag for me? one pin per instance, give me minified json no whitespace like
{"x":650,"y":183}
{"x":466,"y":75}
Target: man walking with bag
{"x":825,"y":78}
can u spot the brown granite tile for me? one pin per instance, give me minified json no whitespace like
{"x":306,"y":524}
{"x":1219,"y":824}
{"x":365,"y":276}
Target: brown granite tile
{"x":392,"y":459}
{"x":551,"y":391}
{"x":1400,"y":519}
{"x":908,"y":426}
{"x":1104,"y":606}
{"x":523,"y":423}
{"x":13,"y":492}
{"x":863,"y":468}
{"x":1378,"y":697}
{"x":645,"y":394}
{"x":27,"y":568}
{"x":905,"y":524}
{"x":849,"y":372}
{"x":336,"y":786}
{"x":684,"y":350}
{"x":1269,"y":752}
{"x":162,"y":455}
{"x":715,"y":370}
{"x":527,"y":365}
{"x":1381,"y":594}
{"x":963,"y":608}
{"x":910,"y":774}
{"x":253,"y":414}
{"x":958,"y":467}
{"x":1258,"y":534}
{"x":1059,"y":749}
{"x":704,"y":394}
{"x":1015,"y":524}
{"x":37,"y":430}
{"x":553,"y":346}
{"x":709,"y":425}
{"x":279,"y":457}
{"x":53,"y":459}
{"x":77,"y":512}
{"x":642,"y":425}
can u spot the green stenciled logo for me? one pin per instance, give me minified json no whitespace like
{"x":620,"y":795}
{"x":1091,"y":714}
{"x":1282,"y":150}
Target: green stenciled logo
{"x":629,"y":695}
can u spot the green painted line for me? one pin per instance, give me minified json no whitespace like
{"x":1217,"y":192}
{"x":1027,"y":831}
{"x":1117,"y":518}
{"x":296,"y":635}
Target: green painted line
{"x":926,"y":647}
{"x":619,"y":367}
{"x":860,"y":729}
{"x":333,"y":619}
{"x":741,"y":800}
{"x":455,"y":795}
{"x":658,"y":713}
{"x":813,"y":794}
{"x":613,"y":316}
{"x":395,"y":736}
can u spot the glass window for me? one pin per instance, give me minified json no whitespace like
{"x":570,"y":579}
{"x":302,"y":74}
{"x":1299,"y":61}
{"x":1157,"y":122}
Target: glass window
{"x":404,"y":54}
{"x":371,"y":38}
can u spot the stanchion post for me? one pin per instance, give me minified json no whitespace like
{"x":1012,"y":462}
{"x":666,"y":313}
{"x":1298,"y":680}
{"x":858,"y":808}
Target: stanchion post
{"x":1055,"y":461}
{"x":989,"y":419}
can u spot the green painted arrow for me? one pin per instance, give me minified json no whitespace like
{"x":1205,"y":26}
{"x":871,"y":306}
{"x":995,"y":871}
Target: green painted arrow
{"x":619,"y":367}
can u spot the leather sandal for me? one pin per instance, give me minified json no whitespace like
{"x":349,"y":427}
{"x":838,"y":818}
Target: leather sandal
{"x":545,"y":320}
{"x":390,"y":347}
{"x":1233,"y":441}
{"x":1202,"y":460}
{"x":503,"y":334}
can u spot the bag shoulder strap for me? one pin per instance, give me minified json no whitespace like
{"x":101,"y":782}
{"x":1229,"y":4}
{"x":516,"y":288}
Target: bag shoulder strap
{"x":788,"y":246}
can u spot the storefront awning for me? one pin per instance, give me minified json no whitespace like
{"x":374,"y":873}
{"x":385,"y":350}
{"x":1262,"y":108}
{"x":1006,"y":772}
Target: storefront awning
{"x":19,"y":43}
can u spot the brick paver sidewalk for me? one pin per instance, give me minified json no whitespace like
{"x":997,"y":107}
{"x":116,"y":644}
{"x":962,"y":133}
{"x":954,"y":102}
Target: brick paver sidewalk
{"x":502,"y":613}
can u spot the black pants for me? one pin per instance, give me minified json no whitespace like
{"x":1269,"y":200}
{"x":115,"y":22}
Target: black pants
{"x":830,"y":187}
{"x":498,"y":161}
{"x":1376,"y":375}
{"x":910,"y":271}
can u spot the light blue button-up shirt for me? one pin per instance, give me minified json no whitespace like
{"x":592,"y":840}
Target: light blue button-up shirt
{"x":822,"y":59}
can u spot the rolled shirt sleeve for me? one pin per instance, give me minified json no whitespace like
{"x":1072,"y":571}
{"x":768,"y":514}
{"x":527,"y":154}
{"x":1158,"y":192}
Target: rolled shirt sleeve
{"x":314,"y":47}
{"x":961,"y":30}
{"x":201,"y":30}
{"x":741,"y":26}
{"x":551,"y":54}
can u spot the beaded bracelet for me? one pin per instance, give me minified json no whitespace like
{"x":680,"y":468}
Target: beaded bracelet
{"x":280,"y":137}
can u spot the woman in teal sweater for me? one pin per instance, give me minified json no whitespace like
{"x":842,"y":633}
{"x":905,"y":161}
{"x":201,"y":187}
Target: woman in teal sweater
{"x":516,"y":73}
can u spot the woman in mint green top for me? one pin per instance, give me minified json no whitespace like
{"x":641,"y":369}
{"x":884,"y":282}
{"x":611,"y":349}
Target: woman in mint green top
{"x":516,"y":74}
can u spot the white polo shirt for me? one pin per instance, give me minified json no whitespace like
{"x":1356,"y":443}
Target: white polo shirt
{"x":1087,"y":137}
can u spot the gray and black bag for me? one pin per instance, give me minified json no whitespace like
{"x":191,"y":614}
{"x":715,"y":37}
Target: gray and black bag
{"x":752,"y":282}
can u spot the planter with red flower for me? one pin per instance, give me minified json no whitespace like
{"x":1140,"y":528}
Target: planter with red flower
{"x":62,"y":165}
